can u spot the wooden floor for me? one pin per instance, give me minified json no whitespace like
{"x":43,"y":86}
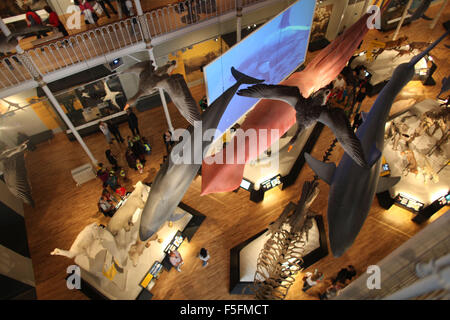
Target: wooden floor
{"x":63,"y":210}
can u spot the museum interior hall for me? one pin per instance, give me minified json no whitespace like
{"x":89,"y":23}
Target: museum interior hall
{"x":224,"y":150}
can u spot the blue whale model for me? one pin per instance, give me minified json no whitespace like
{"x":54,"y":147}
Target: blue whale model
{"x":173,"y":179}
{"x":352,"y":187}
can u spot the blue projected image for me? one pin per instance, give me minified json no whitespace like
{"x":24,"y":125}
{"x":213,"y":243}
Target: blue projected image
{"x":270,"y":53}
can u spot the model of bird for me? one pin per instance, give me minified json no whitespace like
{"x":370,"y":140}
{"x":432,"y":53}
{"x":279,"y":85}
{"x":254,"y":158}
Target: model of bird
{"x":151,"y":79}
{"x":12,"y":163}
{"x":111,"y":95}
{"x":312,"y":109}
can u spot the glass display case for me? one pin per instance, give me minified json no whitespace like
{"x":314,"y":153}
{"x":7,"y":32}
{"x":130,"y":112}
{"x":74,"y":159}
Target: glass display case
{"x":175,"y":243}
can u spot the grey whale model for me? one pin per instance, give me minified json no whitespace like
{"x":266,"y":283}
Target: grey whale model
{"x":173,"y":179}
{"x":352,"y":187}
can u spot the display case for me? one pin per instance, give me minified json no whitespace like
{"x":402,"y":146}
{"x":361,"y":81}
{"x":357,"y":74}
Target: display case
{"x":175,"y":243}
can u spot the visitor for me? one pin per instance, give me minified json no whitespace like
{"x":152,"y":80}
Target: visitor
{"x":104,"y":129}
{"x":311,"y":279}
{"x":90,"y":17}
{"x":176,"y":260}
{"x":204,"y":256}
{"x":106,"y":206}
{"x":112,"y":160}
{"x":133,"y":122}
{"x":203,"y":104}
{"x":168,"y":142}
{"x":339,"y":85}
{"x":331,"y":292}
{"x":33,"y":19}
{"x":53,"y":20}
{"x":109,"y":196}
{"x":131,"y":159}
{"x":107,"y":2}
{"x":114,"y":129}
{"x":345,"y":274}
{"x":112,"y":181}
{"x":102,"y":173}
{"x":360,"y":97}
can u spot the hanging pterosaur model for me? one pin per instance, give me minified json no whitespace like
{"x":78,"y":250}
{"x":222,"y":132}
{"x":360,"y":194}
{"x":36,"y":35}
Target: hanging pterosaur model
{"x":352,"y":187}
{"x":12,"y":164}
{"x":309,"y":111}
{"x":173,"y":179}
{"x":151,"y":79}
{"x":111,"y":95}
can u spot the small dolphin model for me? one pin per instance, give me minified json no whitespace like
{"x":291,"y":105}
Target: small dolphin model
{"x":309,"y":111}
{"x":352,"y":187}
{"x":173,"y":179}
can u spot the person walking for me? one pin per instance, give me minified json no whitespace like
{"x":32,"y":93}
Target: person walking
{"x":133,"y":122}
{"x":311,"y":279}
{"x":168,"y":142}
{"x":114,"y":129}
{"x":104,"y":128}
{"x":112,"y":160}
{"x":204,"y":256}
{"x":109,"y":4}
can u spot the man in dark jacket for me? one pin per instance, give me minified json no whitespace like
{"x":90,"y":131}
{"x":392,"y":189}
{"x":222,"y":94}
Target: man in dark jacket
{"x":133,"y":122}
{"x":114,"y":129}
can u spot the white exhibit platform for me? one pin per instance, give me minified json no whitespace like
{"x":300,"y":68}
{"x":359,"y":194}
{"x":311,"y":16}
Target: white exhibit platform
{"x":421,"y":186}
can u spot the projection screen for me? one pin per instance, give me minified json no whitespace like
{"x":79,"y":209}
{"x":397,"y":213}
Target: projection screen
{"x":272,"y":52}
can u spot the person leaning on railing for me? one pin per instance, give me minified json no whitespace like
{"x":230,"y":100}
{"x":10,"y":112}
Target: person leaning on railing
{"x":53,"y":20}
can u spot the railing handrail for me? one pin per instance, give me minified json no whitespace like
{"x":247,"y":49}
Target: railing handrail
{"x":122,"y":33}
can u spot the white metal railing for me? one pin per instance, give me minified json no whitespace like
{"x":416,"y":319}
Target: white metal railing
{"x":77,"y":48}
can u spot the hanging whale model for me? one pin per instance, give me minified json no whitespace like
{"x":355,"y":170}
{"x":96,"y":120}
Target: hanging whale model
{"x":353,"y":187}
{"x":173,"y":179}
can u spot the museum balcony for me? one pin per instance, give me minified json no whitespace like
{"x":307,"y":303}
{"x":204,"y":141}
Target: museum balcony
{"x":166,"y":29}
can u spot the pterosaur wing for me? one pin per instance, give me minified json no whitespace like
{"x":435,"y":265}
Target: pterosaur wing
{"x":181,"y":96}
{"x":16,"y":179}
{"x":287,"y":94}
{"x":337,"y":121}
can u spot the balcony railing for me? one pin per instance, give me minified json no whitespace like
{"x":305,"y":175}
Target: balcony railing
{"x":64,"y":52}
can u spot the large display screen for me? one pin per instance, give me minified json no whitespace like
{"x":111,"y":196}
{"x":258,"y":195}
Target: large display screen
{"x":271,"y":52}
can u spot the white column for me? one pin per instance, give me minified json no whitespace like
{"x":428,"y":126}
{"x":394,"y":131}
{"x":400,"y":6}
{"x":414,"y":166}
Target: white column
{"x":138,"y":6}
{"x":238,"y":20}
{"x":364,"y":9}
{"x":66,"y":119}
{"x":405,"y":12}
{"x":436,"y":19}
{"x":342,"y":17}
{"x":4,"y":28}
{"x":161,"y":94}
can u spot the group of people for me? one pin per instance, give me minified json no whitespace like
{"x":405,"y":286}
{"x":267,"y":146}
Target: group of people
{"x":338,"y":283}
{"x":109,"y":177}
{"x":92,"y":9}
{"x":177,"y":261}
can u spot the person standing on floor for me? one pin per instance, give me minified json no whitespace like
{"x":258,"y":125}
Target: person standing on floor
{"x":345,"y":274}
{"x":311,"y":279}
{"x":133,"y":122}
{"x":176,"y":260}
{"x":104,"y":128}
{"x":54,"y":21}
{"x":112,"y":160}
{"x":114,"y":129}
{"x":107,"y":2}
{"x":204,"y":256}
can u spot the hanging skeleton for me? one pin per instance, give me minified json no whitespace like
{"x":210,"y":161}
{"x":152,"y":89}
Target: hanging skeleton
{"x":281,"y":257}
